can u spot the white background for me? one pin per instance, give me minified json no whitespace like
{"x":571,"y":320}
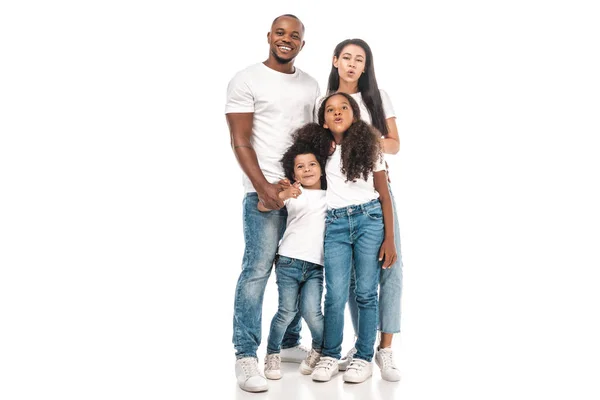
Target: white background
{"x":120,"y":217}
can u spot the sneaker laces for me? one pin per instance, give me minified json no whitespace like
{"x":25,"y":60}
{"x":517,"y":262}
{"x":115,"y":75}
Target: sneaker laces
{"x":303,"y":349}
{"x":357,"y":364}
{"x":326,"y":362}
{"x":386,"y":358}
{"x":249,"y":366}
{"x":313,"y":358}
{"x":273,"y":362}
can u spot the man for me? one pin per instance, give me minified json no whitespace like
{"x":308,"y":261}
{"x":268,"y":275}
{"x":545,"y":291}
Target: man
{"x":266,"y":102}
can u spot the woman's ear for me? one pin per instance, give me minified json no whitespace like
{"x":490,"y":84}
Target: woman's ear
{"x":335,"y":61}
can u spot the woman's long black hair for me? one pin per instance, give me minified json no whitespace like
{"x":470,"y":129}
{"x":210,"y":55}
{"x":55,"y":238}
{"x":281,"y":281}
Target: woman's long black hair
{"x":367,"y":84}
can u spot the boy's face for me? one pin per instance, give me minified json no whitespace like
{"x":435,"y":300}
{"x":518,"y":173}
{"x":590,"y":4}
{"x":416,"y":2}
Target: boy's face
{"x":307,"y":171}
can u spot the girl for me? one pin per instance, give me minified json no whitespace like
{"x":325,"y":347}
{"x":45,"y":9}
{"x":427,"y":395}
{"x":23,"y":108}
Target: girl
{"x":359,"y":231}
{"x":299,"y":263}
{"x":353,"y":72}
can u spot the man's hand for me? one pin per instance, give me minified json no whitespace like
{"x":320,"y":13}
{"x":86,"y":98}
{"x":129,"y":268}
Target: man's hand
{"x":268,"y":195}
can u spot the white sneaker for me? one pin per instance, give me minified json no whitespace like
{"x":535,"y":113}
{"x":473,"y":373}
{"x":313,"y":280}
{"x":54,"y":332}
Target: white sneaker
{"x":358,"y":371}
{"x":307,"y":365}
{"x":248,"y":376}
{"x":344,"y":362}
{"x":325,"y":369}
{"x":294,"y":354}
{"x":273,"y":366}
{"x":384,"y":359}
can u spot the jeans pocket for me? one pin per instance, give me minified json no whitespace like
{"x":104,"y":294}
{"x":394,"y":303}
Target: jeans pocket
{"x":283,"y":261}
{"x":375,"y":214}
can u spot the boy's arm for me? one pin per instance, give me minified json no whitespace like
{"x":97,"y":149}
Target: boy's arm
{"x":291,"y":191}
{"x":387,"y":252}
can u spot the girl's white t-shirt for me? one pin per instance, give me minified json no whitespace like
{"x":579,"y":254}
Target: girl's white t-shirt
{"x":343,"y":194}
{"x":305,"y":230}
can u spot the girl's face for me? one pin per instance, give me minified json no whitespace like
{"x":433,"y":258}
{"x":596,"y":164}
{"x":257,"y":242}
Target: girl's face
{"x":351,"y":63}
{"x":338,"y":114}
{"x":307,"y":171}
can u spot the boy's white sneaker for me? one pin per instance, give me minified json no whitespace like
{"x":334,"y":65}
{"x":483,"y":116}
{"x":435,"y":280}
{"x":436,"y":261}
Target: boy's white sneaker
{"x":326,"y":368}
{"x":385,"y":361}
{"x":273,"y":366}
{"x":344,"y":362}
{"x":294,"y":354}
{"x":358,"y":371}
{"x":307,"y":366}
{"x":248,"y":376}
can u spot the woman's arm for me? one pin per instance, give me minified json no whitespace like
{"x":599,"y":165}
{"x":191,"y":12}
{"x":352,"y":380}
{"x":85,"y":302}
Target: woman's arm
{"x":390,"y":144}
{"x":387,"y":252}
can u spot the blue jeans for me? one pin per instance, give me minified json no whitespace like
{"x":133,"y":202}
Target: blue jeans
{"x":300,"y":286}
{"x":353,"y":235}
{"x":262,"y":232}
{"x":390,"y":289}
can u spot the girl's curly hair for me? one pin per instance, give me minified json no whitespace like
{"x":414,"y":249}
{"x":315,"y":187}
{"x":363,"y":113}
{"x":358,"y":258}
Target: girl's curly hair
{"x":361,"y":149}
{"x":303,"y":147}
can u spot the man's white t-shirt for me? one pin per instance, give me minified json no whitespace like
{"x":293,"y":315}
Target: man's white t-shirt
{"x":343,"y":194}
{"x":305,"y":231}
{"x":281,"y":103}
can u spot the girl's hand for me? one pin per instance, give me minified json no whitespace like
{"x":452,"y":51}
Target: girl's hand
{"x":387,"y":253}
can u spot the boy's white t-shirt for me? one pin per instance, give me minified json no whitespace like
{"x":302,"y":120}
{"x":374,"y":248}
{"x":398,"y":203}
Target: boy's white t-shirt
{"x":305,"y":231}
{"x":281,"y":103}
{"x":343,"y":194}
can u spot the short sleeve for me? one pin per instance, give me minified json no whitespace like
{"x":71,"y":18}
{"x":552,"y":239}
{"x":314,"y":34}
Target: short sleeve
{"x":317,"y":106}
{"x":388,"y":109}
{"x":239,"y":96}
{"x":379,"y":165}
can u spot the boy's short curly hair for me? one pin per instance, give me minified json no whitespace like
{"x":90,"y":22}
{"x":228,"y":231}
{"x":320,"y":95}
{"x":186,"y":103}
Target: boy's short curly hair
{"x":302,"y":146}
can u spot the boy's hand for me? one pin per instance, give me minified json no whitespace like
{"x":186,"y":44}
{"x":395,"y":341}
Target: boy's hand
{"x":292,"y":191}
{"x":388,"y":254}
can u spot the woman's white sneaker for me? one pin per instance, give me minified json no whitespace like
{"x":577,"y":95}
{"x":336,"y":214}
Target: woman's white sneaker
{"x":326,"y":368}
{"x":273,"y":366}
{"x":307,"y":366}
{"x":248,"y":376}
{"x":294,"y":354}
{"x":358,"y":371}
{"x":385,"y":361}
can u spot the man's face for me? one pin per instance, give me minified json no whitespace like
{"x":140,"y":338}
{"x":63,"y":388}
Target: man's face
{"x":285,"y":39}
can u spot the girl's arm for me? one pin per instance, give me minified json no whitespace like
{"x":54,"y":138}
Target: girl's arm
{"x":390,"y":144}
{"x":387,"y":252}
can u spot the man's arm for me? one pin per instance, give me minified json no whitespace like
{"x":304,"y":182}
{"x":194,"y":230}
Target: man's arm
{"x":240,"y":131}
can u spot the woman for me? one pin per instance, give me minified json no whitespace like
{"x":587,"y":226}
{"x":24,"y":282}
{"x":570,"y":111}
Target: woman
{"x":353,"y":72}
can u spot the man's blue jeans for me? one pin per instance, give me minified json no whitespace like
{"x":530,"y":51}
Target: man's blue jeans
{"x":353,"y":235}
{"x":300,"y":287}
{"x":390,"y":289}
{"x":262,"y":232}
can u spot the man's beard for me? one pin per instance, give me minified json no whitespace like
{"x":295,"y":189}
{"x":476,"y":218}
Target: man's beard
{"x":281,"y":60}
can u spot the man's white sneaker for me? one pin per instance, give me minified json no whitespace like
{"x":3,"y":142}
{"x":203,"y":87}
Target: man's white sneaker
{"x":294,"y":354}
{"x":248,"y":376}
{"x":358,"y":371}
{"x":325,"y":369}
{"x":307,"y":365}
{"x":344,"y":362}
{"x":384,"y":359}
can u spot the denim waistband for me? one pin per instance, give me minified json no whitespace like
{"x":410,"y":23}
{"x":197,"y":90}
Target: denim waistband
{"x":354,"y":209}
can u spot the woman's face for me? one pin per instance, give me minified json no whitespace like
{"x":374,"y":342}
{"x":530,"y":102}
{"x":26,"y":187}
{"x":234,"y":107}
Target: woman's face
{"x":351,"y":63}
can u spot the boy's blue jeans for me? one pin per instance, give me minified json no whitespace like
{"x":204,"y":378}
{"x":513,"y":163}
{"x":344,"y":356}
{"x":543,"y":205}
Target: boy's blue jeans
{"x":262,"y":232}
{"x":300,"y":287}
{"x":353,"y":235}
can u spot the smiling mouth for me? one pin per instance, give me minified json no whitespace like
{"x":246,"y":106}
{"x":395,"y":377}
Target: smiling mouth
{"x":284,"y":49}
